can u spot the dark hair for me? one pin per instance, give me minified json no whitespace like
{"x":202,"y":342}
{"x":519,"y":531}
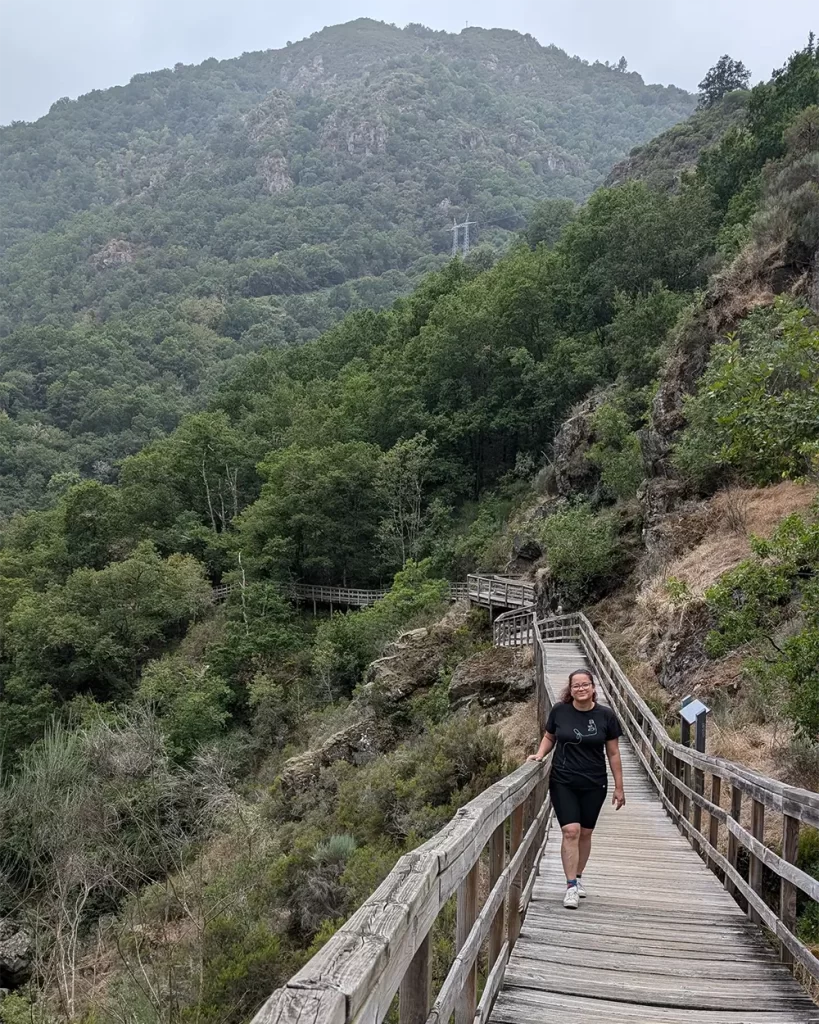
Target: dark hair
{"x":566,"y":696}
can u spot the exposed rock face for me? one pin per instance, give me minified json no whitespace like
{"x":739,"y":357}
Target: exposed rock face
{"x":412,"y":662}
{"x":678,"y":655}
{"x":492,"y":679}
{"x":276,"y":175}
{"x":16,"y":951}
{"x":358,"y":744}
{"x":355,"y":136}
{"x":573,"y":473}
{"x":115,"y":253}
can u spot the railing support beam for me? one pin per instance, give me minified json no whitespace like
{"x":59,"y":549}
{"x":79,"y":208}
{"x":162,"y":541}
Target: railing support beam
{"x":414,"y":995}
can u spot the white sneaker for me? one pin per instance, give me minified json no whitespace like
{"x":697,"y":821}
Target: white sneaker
{"x":571,"y":901}
{"x":581,"y":892}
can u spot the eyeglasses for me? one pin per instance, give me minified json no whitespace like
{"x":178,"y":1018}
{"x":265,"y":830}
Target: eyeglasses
{"x":581,"y":686}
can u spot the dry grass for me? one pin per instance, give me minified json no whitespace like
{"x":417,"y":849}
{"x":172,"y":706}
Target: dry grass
{"x":518,"y":731}
{"x":736,"y":514}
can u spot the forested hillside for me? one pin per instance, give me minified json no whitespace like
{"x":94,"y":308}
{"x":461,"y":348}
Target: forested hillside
{"x":194,"y":798}
{"x":155,"y":235}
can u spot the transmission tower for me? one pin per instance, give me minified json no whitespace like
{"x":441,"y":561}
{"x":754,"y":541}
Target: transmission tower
{"x":456,"y":235}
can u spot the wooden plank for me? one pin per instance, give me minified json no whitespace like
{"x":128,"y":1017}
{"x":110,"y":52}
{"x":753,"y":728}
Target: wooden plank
{"x":807,"y":883}
{"x":755,"y":866}
{"x":523,"y":1006}
{"x":493,"y":984}
{"x":303,"y":1006}
{"x":497,"y":861}
{"x":467,"y":998}
{"x":687,"y":993}
{"x":733,"y":846}
{"x":787,"y":890}
{"x":515,"y":837}
{"x":713,"y":819}
{"x":415,"y":991}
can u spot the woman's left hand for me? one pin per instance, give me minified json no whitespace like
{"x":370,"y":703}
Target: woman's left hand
{"x":618,"y":799}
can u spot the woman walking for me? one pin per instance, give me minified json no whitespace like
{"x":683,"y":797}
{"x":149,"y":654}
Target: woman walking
{"x":581,"y":729}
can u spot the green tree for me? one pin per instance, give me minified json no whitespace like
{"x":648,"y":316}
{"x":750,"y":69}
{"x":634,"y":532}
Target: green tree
{"x":547,"y":221}
{"x":725,"y":76}
{"x":318,"y":513}
{"x":402,"y":478}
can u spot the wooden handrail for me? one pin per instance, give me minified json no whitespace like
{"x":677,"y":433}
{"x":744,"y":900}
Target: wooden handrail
{"x":514,"y":628}
{"x":669,"y":766}
{"x":490,"y":591}
{"x":384,"y":947}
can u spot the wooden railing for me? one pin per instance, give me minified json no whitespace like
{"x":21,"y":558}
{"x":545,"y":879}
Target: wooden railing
{"x":385,"y":947}
{"x":515,"y":628}
{"x":682,"y":777}
{"x":489,"y":591}
{"x":499,"y":592}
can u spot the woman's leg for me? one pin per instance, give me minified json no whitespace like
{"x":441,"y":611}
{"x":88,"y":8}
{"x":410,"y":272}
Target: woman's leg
{"x":584,"y":848}
{"x":591,"y":803}
{"x":566,"y":804}
{"x":570,"y":849}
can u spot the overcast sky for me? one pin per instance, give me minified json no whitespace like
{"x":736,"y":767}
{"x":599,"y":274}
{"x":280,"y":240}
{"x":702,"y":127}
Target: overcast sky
{"x":54,"y":48}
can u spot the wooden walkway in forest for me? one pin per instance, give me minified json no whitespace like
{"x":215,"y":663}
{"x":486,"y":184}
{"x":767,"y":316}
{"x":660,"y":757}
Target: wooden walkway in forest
{"x":486,"y":590}
{"x":692,"y":906}
{"x":657,"y":939}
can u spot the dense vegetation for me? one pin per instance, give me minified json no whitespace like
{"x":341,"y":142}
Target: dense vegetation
{"x":392,"y":447}
{"x":156,"y":235}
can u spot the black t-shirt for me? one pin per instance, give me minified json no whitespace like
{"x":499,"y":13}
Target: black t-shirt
{"x":579,"y":758}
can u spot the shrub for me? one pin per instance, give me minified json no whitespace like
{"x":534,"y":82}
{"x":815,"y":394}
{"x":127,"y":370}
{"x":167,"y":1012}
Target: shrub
{"x":191,"y":702}
{"x":582,"y":549}
{"x":750,"y":603}
{"x":414,"y":790}
{"x":616,"y":451}
{"x":757,"y":406}
{"x":336,"y":850}
{"x":346,"y":644}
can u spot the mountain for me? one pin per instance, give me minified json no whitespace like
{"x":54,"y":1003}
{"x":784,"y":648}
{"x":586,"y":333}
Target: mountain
{"x":155,"y":235}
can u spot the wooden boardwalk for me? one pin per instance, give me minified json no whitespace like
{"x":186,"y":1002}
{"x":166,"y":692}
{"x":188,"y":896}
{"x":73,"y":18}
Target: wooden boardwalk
{"x":657,"y":940}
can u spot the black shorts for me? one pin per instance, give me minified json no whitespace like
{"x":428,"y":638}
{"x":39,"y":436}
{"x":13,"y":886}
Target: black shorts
{"x":577,"y":806}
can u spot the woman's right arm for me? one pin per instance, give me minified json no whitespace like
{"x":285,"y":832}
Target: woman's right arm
{"x":546,"y":745}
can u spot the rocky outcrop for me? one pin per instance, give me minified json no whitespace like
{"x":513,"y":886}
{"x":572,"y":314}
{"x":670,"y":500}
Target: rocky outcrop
{"x":115,"y":253}
{"x":775,"y":263}
{"x":356,"y":744}
{"x":355,"y":137}
{"x":492,"y":679}
{"x":677,"y":655}
{"x":411,"y":663}
{"x":573,"y":474}
{"x":16,"y":954}
{"x":276,"y":175}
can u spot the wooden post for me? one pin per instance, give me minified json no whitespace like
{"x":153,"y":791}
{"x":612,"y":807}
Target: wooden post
{"x":684,"y":771}
{"x":467,"y":912}
{"x":787,"y":890}
{"x":668,"y":787}
{"x":515,"y":889}
{"x":713,"y":824}
{"x":497,"y":862}
{"x":755,"y":866}
{"x":733,"y":843}
{"x":416,"y":986}
{"x":699,"y":777}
